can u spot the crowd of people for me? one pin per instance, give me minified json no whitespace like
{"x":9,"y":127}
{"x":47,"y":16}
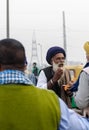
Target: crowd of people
{"x":25,"y":106}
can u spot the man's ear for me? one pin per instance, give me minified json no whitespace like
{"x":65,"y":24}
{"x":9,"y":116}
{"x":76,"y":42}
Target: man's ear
{"x":51,"y":61}
{"x":25,"y":67}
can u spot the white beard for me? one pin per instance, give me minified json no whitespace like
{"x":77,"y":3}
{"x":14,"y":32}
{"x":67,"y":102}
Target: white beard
{"x":56,"y":66}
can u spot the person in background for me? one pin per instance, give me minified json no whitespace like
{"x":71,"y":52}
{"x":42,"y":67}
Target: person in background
{"x":22,"y":105}
{"x":33,"y":78}
{"x":30,"y":76}
{"x":35,"y":71}
{"x":55,"y":76}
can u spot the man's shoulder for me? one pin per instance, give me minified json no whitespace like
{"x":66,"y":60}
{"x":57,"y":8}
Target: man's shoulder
{"x":47,"y":93}
{"x":67,"y":71}
{"x":86,"y":69}
{"x":47,"y":68}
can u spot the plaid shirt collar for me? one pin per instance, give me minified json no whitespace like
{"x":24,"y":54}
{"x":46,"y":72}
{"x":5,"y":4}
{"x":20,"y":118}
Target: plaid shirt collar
{"x":14,"y":77}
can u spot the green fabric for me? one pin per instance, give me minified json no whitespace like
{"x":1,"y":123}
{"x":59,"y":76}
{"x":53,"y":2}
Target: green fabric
{"x":35,"y":71}
{"x":73,"y":103}
{"x":28,"y":108}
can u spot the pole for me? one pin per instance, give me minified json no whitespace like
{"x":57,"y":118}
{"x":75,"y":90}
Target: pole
{"x":7,"y":19}
{"x":41,"y":53}
{"x":64,"y":36}
{"x":41,"y":56}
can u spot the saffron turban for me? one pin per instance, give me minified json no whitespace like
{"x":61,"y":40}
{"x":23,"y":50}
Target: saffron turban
{"x":53,"y":51}
{"x":86,"y":47}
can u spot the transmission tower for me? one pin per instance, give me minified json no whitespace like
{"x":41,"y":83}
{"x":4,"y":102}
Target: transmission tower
{"x":34,"y":54}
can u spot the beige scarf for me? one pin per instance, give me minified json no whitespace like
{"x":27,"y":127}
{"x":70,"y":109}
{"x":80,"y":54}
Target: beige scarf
{"x":63,"y":81}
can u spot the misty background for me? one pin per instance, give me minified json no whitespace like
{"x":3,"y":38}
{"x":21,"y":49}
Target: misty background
{"x":45,"y":18}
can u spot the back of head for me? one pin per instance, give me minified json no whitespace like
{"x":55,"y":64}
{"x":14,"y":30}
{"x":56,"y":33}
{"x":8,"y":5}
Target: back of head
{"x":86,"y":47}
{"x":12,"y":52}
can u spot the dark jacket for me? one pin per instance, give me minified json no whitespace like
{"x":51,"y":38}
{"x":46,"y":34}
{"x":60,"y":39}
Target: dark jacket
{"x":58,"y":88}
